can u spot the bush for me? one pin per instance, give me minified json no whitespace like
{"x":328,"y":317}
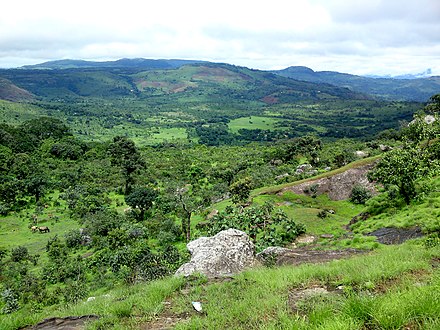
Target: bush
{"x":11,"y":302}
{"x":73,"y":238}
{"x":19,"y":253}
{"x":264,"y":226}
{"x":359,"y":194}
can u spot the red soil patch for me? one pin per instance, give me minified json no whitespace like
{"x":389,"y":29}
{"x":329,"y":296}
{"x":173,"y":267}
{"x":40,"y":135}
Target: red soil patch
{"x":269,"y":99}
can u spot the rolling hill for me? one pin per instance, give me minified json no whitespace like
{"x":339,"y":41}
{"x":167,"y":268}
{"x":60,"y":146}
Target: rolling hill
{"x":139,"y":78}
{"x":11,"y":92}
{"x":139,"y":63}
{"x":420,"y":89}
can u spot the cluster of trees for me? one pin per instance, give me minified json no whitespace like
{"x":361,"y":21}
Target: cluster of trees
{"x":403,"y":170}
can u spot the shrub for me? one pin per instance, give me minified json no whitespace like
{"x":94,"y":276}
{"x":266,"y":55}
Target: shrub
{"x":264,"y":226}
{"x":73,"y":238}
{"x":19,"y":253}
{"x":359,"y":194}
{"x":10,"y":300}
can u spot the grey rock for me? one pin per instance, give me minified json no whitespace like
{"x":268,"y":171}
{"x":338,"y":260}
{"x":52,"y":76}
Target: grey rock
{"x":281,"y":176}
{"x":360,"y":154}
{"x":338,"y":186}
{"x":228,"y":252}
{"x":303,"y":168}
{"x":384,"y":147}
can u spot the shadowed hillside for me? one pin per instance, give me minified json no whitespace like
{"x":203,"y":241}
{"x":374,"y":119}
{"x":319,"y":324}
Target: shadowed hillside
{"x":386,"y":88}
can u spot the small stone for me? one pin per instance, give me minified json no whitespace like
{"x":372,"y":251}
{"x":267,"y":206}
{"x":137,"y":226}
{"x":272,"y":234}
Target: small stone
{"x":197,"y":306}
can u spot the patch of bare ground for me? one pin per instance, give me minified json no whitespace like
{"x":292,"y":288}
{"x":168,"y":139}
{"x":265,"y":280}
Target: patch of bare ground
{"x":416,"y":276}
{"x":303,"y":299}
{"x":304,"y":255}
{"x":63,"y":323}
{"x":167,"y":319}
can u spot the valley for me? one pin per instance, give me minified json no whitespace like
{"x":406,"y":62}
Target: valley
{"x":109,"y":169}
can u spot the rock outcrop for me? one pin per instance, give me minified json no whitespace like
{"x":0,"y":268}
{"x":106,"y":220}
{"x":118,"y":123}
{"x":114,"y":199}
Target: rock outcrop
{"x":228,"y":252}
{"x":391,"y":235}
{"x":281,"y":256}
{"x":339,"y":186}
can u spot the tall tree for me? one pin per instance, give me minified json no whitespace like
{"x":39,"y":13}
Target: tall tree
{"x":126,"y":155}
{"x":142,"y":199}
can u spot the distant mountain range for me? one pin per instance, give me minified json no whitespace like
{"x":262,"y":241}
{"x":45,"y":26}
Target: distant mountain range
{"x":140,"y":78}
{"x":425,"y":74}
{"x":124,"y":78}
{"x":136,"y":63}
{"x":397,"y":88}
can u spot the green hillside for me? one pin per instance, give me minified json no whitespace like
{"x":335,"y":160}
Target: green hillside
{"x":419,"y":90}
{"x":197,"y":102}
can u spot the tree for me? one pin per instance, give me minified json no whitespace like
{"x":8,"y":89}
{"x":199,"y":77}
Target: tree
{"x":45,"y":127}
{"x":191,"y":199}
{"x":36,"y":186}
{"x":125,"y":154}
{"x":142,"y":199}
{"x":401,"y":168}
{"x":306,"y":145}
{"x":240,"y":190}
{"x":433,"y":105}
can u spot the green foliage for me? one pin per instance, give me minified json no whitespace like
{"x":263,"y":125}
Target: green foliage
{"x":433,"y":105}
{"x":359,"y":194}
{"x":240,"y":190}
{"x":10,"y":302}
{"x":401,"y":168}
{"x":85,"y":199}
{"x":265,"y":226}
{"x":432,"y":240}
{"x":125,"y":155}
{"x":102,"y":222}
{"x":142,"y":199}
{"x":73,"y":238}
{"x":20,"y":253}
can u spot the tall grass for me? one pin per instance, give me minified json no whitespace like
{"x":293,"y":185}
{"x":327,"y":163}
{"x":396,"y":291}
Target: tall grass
{"x":122,"y":307}
{"x":260,"y":299}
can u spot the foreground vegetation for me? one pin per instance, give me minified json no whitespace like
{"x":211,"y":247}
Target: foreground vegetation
{"x":391,"y":288}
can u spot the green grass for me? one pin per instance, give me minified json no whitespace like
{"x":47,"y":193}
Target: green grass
{"x":393,"y":287}
{"x":305,"y":209}
{"x":15,"y":231}
{"x":168,"y":134}
{"x":424,"y":213}
{"x":121,"y":308}
{"x":259,"y":299}
{"x":252,"y":122}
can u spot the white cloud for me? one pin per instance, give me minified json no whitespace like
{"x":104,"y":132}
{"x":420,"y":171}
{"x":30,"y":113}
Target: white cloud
{"x":359,"y":36}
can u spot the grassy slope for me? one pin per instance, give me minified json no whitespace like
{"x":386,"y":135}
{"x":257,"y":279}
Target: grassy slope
{"x":393,"y":288}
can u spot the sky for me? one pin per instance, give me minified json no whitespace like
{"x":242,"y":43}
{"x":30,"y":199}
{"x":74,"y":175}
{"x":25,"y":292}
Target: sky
{"x":383,"y":37}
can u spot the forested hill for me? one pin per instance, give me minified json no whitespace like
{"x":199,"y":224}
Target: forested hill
{"x":139,"y":63}
{"x":124,"y":78}
{"x":419,"y":90}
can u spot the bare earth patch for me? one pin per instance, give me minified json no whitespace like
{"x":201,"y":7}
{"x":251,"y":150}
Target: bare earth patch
{"x":63,"y":323}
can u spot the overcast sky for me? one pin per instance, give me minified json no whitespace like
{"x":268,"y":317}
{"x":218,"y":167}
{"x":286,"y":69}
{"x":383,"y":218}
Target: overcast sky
{"x":354,"y":36}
